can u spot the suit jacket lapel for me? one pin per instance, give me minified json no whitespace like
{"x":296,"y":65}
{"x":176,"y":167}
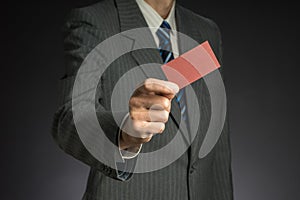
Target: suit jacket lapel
{"x":185,"y":26}
{"x":131,"y":18}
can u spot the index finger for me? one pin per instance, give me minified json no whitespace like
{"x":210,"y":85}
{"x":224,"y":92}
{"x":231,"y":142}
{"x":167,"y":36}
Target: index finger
{"x":160,"y":87}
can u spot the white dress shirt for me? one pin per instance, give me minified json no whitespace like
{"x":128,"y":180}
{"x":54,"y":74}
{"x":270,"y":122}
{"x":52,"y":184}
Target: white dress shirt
{"x":154,"y":21}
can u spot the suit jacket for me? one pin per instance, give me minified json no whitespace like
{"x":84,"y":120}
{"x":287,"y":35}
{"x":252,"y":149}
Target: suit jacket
{"x":189,"y":177}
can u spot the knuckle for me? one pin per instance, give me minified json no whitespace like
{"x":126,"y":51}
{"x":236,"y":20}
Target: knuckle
{"x":134,"y":115}
{"x":132,"y":101}
{"x":148,"y":83}
{"x":147,"y":86}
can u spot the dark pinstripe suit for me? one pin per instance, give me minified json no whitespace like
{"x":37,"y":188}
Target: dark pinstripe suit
{"x":188,"y":177}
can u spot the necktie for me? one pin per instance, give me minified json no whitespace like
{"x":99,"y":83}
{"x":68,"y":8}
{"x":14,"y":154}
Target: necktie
{"x":165,"y":50}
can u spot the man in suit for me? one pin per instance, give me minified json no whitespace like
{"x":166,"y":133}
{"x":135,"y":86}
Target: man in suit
{"x":188,"y":177}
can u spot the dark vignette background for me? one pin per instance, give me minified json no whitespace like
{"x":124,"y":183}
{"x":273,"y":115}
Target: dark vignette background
{"x":261,"y":47}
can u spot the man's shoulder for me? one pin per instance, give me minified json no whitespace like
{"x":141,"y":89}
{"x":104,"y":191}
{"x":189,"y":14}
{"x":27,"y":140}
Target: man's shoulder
{"x":197,"y":19}
{"x":202,"y":28}
{"x":101,"y":6}
{"x":98,"y":13}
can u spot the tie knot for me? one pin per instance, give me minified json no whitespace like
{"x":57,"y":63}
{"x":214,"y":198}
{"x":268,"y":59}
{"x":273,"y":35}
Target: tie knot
{"x":166,"y":25}
{"x":163,"y":31}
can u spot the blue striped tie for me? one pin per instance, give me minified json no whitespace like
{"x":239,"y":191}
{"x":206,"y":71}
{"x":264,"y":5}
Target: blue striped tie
{"x":165,"y":50}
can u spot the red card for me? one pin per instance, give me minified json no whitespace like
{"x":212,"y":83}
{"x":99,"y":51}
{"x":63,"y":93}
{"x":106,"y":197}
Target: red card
{"x":191,"y":65}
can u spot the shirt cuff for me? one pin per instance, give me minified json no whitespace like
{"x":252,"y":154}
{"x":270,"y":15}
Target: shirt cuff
{"x":128,"y":153}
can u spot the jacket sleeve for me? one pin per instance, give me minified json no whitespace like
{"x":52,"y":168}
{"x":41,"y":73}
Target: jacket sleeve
{"x":81,"y":36}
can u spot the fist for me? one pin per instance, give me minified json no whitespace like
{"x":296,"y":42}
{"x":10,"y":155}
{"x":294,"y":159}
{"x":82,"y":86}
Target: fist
{"x":149,"y":109}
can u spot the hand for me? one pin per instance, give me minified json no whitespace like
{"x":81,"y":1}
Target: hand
{"x":149,"y":109}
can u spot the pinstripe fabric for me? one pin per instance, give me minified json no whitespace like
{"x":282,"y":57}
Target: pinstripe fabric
{"x":188,"y":177}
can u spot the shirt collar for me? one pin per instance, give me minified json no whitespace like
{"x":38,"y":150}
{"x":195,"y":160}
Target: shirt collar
{"x":153,"y":19}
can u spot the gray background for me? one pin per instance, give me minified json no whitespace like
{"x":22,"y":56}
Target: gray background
{"x":261,"y":49}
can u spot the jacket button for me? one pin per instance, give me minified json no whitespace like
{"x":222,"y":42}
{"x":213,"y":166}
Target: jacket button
{"x":191,"y":171}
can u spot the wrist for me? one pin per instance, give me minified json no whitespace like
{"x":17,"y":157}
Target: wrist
{"x":126,"y":144}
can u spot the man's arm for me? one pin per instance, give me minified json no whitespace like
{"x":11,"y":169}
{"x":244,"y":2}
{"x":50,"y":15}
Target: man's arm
{"x":80,"y":37}
{"x":149,"y":106}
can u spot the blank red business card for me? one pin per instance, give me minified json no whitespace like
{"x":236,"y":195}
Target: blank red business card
{"x":191,"y":66}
